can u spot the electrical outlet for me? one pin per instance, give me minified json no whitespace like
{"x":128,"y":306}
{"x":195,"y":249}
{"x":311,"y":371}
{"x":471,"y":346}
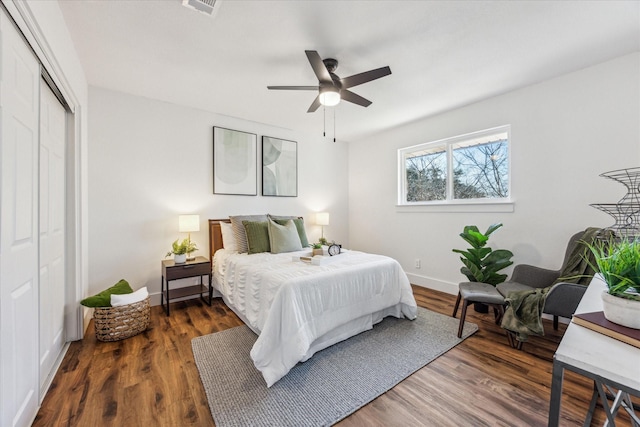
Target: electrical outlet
{"x":417,"y":262}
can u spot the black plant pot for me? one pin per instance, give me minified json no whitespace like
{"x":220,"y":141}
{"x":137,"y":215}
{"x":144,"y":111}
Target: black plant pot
{"x":479,"y":307}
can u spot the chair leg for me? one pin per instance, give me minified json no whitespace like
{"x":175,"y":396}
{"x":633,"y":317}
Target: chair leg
{"x":555,"y":323}
{"x":498,"y":310}
{"x":465,"y":304}
{"x":513,"y":341}
{"x":455,"y":309}
{"x":510,"y":339}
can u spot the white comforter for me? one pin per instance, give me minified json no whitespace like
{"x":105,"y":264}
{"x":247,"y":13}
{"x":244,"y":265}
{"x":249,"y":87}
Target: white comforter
{"x":298,"y":309}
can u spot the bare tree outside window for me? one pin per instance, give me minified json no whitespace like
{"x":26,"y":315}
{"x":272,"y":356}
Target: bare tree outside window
{"x":427,"y":177}
{"x":481,"y":171}
{"x":479,"y":168}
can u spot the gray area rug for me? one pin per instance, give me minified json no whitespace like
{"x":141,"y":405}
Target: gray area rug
{"x":334,"y":383}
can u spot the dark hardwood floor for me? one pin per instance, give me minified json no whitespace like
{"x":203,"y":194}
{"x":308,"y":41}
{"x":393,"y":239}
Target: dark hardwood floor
{"x":151,"y":379}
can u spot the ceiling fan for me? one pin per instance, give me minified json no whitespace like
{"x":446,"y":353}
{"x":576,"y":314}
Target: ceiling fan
{"x":331,"y":88}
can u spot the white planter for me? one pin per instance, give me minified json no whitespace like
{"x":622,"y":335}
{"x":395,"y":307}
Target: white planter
{"x":179,"y":259}
{"x":622,"y":311}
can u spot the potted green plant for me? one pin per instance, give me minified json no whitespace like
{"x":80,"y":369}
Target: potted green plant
{"x":480,"y":262}
{"x":316,"y":249}
{"x":618,"y":261}
{"x":181,"y":249}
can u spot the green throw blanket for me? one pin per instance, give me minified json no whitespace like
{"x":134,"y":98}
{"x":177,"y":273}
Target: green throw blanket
{"x":523,"y":315}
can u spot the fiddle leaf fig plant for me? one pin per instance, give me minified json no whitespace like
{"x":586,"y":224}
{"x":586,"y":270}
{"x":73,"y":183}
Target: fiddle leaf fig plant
{"x":481,"y":263}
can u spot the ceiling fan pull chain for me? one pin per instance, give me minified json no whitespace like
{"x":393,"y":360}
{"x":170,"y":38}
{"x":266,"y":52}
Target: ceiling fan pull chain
{"x":334,"y":125}
{"x":324,"y":121}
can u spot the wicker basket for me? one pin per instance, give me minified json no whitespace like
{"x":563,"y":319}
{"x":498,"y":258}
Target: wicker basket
{"x":118,"y":323}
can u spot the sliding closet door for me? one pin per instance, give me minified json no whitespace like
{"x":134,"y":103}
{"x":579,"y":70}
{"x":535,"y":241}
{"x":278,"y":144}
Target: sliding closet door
{"x":52,"y":232}
{"x":19,"y":108}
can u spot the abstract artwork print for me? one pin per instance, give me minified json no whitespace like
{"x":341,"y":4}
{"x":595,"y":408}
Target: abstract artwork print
{"x":279,"y":167}
{"x":234,"y":162}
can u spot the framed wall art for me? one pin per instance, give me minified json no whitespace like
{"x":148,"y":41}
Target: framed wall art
{"x":279,"y":167}
{"x":235,"y":159}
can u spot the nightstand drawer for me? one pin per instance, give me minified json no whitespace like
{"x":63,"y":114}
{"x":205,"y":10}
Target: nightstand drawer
{"x":187,"y":270}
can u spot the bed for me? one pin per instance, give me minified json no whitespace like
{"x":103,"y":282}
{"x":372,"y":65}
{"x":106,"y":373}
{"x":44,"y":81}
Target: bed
{"x":297,"y":308}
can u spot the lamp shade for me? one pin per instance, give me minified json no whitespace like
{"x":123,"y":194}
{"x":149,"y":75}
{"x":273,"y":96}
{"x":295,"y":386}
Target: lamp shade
{"x":188,"y":223}
{"x":322,"y":218}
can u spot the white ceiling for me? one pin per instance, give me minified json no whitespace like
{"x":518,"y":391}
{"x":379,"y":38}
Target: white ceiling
{"x":443,"y":54}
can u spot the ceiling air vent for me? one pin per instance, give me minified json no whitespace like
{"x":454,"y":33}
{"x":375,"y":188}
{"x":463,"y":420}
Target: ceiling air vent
{"x":204,"y":6}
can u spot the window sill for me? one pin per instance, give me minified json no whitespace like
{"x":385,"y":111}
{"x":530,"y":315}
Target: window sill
{"x":454,"y":207}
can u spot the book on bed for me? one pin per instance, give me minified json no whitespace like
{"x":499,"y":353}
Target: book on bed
{"x":597,"y":322}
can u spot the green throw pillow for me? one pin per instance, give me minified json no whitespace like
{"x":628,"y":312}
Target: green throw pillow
{"x":284,"y":238}
{"x":299,"y":222}
{"x":103,"y":299}
{"x":257,"y":236}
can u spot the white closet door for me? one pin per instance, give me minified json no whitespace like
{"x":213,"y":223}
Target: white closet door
{"x":19,"y":108}
{"x":52,"y":232}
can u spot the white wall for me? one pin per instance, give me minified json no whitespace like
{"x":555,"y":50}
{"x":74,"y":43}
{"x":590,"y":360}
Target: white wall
{"x":150,"y":161}
{"x":564,"y":133}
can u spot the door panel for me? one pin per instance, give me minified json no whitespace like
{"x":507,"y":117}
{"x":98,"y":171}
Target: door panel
{"x":19,"y":269}
{"x":52,"y":231}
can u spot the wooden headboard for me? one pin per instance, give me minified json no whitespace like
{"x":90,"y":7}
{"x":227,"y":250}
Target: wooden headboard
{"x":215,"y":235}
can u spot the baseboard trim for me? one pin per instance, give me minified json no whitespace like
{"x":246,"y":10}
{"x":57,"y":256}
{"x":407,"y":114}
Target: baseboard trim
{"x":87,"y":316}
{"x":431,"y":283}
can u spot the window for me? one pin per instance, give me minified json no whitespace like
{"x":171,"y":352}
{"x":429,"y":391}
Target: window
{"x":467,"y":168}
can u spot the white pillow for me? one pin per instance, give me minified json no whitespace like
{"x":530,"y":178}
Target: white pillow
{"x":228,"y":238}
{"x":124,"y":299}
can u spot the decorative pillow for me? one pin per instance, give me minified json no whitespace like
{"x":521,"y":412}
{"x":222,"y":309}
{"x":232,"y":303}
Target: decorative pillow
{"x":103,"y":299}
{"x":228,"y":238}
{"x":284,"y":238}
{"x":257,"y":236}
{"x":139,"y":295}
{"x":239,"y":231}
{"x":299,"y":222}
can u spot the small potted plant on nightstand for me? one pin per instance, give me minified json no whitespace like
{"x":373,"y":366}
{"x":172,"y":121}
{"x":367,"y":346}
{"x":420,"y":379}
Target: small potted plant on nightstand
{"x":180,"y":250}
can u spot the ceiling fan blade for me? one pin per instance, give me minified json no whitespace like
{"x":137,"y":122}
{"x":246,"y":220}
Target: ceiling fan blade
{"x":347,"y":95}
{"x":318,"y":67}
{"x":293,"y":87}
{"x":367,"y":76}
{"x":314,"y":105}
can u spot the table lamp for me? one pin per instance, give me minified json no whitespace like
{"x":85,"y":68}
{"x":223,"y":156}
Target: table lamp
{"x":187,"y":224}
{"x":322,"y":219}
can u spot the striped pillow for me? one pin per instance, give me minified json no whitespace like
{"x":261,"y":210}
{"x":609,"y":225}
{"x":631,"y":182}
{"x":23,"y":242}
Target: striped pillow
{"x":239,"y":231}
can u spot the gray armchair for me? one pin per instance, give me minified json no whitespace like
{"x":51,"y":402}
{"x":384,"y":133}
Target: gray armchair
{"x":563,"y":298}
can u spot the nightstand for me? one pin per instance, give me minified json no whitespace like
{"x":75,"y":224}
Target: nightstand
{"x":200,"y":266}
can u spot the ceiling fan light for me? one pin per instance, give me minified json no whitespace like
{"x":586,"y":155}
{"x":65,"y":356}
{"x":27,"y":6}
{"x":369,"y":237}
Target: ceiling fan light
{"x":329,"y":97}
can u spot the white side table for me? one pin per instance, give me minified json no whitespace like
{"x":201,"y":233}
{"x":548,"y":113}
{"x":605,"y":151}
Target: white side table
{"x":605,"y":360}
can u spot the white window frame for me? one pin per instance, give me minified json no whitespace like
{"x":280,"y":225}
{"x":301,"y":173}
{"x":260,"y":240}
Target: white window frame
{"x":450,"y":204}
